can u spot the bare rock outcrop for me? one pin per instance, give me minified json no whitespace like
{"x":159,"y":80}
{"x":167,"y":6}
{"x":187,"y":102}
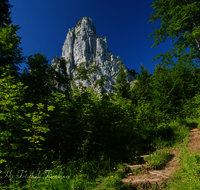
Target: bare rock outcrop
{"x":84,"y":47}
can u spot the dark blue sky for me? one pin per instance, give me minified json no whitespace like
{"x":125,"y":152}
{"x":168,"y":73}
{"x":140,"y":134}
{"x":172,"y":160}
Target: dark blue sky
{"x":45,"y":23}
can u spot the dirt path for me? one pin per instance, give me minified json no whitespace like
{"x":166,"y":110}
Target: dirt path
{"x":150,"y":177}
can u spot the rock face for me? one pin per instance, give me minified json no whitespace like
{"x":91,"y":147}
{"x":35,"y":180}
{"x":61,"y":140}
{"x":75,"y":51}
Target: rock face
{"x":83,"y":46}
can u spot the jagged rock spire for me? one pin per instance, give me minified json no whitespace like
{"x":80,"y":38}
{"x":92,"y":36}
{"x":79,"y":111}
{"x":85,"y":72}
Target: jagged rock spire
{"x":82,"y":44}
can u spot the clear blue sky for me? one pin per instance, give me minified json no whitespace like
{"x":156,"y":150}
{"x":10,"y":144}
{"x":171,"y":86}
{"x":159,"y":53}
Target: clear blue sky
{"x":45,"y":23}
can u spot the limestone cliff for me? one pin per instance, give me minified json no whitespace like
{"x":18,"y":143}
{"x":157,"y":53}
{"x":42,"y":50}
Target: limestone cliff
{"x":82,"y":47}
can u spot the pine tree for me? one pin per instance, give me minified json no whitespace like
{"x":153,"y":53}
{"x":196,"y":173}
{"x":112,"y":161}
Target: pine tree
{"x":123,"y":87}
{"x":133,"y":73}
{"x":10,"y":52}
{"x":37,"y":79}
{"x":61,"y":80}
{"x":5,"y":17}
{"x":143,"y":87}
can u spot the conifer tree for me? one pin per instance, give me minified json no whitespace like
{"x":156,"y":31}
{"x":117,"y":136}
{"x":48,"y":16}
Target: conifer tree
{"x":37,"y":79}
{"x":123,"y":87}
{"x":10,"y":52}
{"x":133,"y":73}
{"x":61,"y":79}
{"x":5,"y":17}
{"x":143,"y":87}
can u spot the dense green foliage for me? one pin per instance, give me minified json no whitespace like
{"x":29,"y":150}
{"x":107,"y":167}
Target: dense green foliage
{"x":5,"y":17}
{"x":180,"y":20}
{"x":46,"y":122}
{"x":122,"y":86}
{"x":10,"y":52}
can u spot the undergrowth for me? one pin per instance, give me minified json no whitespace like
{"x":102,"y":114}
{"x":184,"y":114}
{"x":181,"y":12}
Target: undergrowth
{"x":104,"y":174}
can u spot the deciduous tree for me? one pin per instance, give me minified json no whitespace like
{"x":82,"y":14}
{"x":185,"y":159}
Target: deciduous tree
{"x":180,"y":20}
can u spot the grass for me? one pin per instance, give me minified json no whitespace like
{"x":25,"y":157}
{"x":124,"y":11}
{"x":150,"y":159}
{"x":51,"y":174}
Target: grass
{"x":101,"y":174}
{"x":78,"y":175}
{"x":187,"y":177}
{"x":158,"y":159}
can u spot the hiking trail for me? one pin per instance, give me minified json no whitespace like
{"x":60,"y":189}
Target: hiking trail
{"x":148,"y":177}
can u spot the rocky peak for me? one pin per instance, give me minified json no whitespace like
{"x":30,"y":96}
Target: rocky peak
{"x":82,"y":47}
{"x":86,"y":25}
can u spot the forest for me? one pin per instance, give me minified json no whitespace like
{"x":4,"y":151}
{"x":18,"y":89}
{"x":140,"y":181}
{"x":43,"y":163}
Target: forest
{"x":85,"y":137}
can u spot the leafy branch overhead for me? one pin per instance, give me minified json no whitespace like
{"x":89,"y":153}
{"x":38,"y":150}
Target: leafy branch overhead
{"x":180,"y":20}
